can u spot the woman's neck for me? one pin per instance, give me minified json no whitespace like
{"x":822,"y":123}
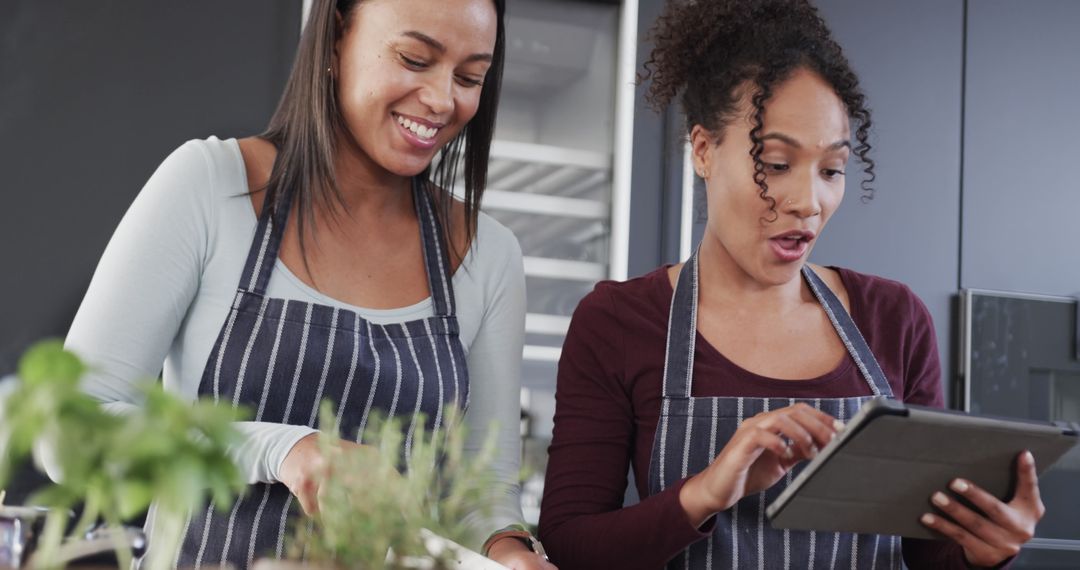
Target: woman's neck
{"x":723,"y":282}
{"x":367,"y":189}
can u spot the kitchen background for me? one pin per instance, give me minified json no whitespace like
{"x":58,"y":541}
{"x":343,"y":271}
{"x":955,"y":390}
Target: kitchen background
{"x":976,"y":128}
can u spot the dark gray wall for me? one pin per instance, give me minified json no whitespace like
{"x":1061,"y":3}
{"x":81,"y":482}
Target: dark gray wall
{"x":1021,"y":228}
{"x":93,"y":95}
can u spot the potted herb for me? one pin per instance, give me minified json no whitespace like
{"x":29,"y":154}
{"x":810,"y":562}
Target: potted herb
{"x":168,"y":451}
{"x":374,"y":515}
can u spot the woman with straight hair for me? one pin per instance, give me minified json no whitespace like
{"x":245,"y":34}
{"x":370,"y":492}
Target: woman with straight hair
{"x":326,"y":259}
{"x":715,"y":378}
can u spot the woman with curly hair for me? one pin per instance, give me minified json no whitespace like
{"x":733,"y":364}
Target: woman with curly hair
{"x":713,"y":378}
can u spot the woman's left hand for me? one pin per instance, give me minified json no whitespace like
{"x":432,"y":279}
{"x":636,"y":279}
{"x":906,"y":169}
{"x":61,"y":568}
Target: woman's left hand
{"x":513,"y":554}
{"x":991,"y":539}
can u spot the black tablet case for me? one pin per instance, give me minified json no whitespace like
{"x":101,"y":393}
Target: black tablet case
{"x":878,"y":474}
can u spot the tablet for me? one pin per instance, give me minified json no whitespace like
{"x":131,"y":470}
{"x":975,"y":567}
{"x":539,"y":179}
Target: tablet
{"x":877,"y":475}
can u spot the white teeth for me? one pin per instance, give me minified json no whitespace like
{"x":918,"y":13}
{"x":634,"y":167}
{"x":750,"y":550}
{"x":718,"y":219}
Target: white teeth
{"x":417,"y":129}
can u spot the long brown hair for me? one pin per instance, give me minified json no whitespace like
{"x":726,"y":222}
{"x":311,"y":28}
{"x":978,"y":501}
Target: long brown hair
{"x":307,"y":120}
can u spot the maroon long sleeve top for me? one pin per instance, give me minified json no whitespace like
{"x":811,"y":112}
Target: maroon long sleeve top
{"x":608,"y":404}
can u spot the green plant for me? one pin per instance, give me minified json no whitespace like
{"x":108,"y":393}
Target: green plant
{"x":369,"y":507}
{"x":167,"y":451}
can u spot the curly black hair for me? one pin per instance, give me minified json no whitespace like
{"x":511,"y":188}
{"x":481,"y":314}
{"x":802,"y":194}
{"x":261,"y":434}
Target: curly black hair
{"x":709,"y":50}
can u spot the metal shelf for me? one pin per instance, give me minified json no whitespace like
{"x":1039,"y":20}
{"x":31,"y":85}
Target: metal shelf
{"x":564,"y":269}
{"x":545,"y":204}
{"x":546,"y":324}
{"x":552,"y":171}
{"x":547,"y":154}
{"x":541,"y":353}
{"x":571,"y":188}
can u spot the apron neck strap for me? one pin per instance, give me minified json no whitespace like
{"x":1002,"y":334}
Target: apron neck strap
{"x":849,"y":333}
{"x":682,"y":333}
{"x":267,"y":242}
{"x":434,"y":242}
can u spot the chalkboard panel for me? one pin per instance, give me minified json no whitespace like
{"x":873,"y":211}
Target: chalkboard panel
{"x":93,"y":96}
{"x":1019,"y":359}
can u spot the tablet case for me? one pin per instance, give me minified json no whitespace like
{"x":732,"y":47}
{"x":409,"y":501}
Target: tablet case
{"x":878,"y":474}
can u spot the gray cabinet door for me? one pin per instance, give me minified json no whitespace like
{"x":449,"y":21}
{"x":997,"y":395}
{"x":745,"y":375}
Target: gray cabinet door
{"x":1021,"y":196}
{"x":1021,"y":205}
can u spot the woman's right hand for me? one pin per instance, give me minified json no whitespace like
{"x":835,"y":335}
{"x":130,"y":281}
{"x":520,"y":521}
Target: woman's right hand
{"x":305,"y":467}
{"x":756,"y":457}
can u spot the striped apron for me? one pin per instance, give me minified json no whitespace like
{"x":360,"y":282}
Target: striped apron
{"x":281,"y":358}
{"x":692,"y":431}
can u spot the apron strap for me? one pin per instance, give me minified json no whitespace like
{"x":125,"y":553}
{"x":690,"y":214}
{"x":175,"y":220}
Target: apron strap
{"x":849,"y":334}
{"x":265,"y":245}
{"x":267,"y":241}
{"x":682,"y":332}
{"x":435,"y":254}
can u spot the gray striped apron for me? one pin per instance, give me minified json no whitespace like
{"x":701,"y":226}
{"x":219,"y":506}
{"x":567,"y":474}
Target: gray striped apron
{"x":281,"y":358}
{"x":692,"y":431}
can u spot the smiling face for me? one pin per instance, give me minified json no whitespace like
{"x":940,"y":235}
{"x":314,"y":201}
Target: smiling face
{"x":409,"y":74}
{"x":806,"y":149}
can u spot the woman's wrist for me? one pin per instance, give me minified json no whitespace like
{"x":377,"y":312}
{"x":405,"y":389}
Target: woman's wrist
{"x":302,"y":454}
{"x":512,"y":538}
{"x":504,"y":544}
{"x":696,"y":502}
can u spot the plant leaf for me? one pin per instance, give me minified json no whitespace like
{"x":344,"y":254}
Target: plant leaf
{"x":48,"y":362}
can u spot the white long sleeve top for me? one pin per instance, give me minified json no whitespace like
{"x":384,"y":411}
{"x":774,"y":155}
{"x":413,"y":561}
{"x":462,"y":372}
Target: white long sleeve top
{"x":164,"y":286}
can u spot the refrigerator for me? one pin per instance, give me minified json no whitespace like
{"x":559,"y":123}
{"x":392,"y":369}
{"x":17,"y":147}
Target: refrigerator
{"x":559,"y":179}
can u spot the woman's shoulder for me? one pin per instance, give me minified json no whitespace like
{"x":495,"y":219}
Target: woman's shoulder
{"x":493,"y":235}
{"x":887,"y":299}
{"x":192,"y":178}
{"x":493,"y":261}
{"x":210,"y":165}
{"x":494,"y":248}
{"x":869,"y":285}
{"x":652,"y":283}
{"x":647,"y":296}
{"x":200,"y":191}
{"x":211,"y":151}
